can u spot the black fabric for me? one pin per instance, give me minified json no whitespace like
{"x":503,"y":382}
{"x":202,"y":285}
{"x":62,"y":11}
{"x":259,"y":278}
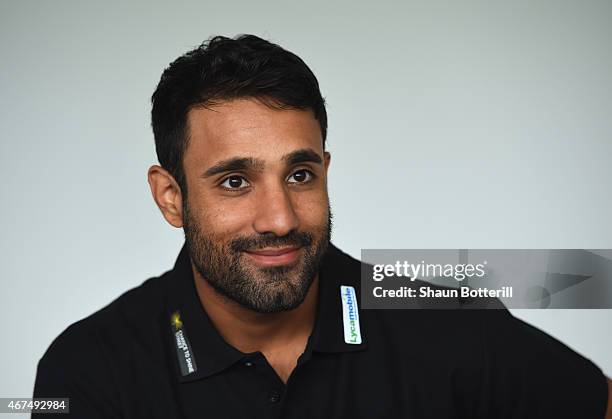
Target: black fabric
{"x":122,"y":362}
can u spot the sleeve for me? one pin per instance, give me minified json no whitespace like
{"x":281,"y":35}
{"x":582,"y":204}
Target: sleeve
{"x":529,"y":374}
{"x":74,"y":367}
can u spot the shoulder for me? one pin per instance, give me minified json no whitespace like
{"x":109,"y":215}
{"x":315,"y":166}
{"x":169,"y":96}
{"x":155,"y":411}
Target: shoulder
{"x":131,"y":310}
{"x":494,"y":341}
{"x":88,"y":344}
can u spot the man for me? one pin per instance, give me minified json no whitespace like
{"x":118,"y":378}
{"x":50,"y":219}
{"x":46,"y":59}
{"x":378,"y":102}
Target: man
{"x":259,"y":317}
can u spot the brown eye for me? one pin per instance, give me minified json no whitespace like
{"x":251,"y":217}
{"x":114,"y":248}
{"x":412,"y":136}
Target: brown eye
{"x":301,"y":176}
{"x":235,"y":182}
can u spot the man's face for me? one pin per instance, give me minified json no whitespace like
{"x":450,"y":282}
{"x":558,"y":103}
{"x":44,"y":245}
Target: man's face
{"x":257,"y":219}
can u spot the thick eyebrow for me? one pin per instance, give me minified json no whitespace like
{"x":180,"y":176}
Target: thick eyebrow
{"x":250,"y":163}
{"x":234,"y":163}
{"x":302,"y":156}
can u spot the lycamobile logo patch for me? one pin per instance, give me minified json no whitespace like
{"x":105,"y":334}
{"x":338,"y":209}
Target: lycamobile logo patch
{"x":350,"y":315}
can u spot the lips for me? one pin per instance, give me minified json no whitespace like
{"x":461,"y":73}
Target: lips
{"x":274,"y":252}
{"x":273,"y":257}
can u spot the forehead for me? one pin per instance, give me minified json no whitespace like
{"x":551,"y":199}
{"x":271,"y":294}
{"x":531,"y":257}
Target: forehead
{"x":249,"y":128}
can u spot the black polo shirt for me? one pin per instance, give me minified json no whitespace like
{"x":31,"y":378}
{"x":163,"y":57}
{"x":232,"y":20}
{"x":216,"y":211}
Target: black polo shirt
{"x":153,"y":353}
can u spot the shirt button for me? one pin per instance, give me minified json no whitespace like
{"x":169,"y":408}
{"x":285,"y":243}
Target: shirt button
{"x":248,"y":364}
{"x":274,"y":397}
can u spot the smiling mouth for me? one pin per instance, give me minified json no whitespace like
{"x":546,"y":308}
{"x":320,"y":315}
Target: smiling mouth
{"x":274,"y":257}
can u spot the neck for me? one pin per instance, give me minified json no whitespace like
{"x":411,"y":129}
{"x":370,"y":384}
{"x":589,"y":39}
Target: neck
{"x":249,"y":331}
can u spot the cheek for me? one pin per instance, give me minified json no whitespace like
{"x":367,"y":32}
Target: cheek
{"x":217,"y":219}
{"x":313,"y":212}
{"x":230,"y":222}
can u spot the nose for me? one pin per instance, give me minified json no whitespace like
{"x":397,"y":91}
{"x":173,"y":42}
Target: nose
{"x":275,"y":211}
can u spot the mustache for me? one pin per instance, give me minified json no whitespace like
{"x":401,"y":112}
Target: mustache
{"x":295,"y":238}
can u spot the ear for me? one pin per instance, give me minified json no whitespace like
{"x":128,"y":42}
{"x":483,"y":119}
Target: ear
{"x":167,"y":195}
{"x":327,"y":158}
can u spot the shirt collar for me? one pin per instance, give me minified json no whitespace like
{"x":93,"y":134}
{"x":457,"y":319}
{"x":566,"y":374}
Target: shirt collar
{"x":209,"y":352}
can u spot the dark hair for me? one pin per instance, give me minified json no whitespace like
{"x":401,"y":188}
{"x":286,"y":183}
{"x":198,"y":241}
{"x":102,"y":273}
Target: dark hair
{"x":220,"y":69}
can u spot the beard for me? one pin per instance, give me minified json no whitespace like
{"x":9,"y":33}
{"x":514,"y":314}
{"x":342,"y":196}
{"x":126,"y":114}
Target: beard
{"x":269,"y":289}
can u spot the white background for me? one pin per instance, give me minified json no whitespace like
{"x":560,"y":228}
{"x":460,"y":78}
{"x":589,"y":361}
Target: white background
{"x":452,"y":125}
